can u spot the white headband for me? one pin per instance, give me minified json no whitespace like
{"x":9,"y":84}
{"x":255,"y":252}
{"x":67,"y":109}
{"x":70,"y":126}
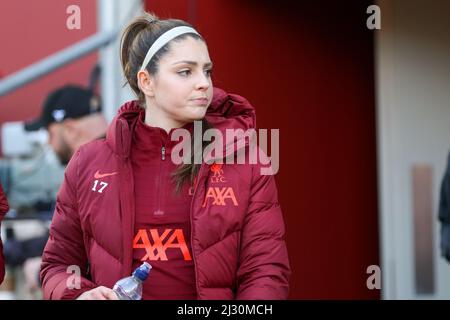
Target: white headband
{"x":163,"y":40}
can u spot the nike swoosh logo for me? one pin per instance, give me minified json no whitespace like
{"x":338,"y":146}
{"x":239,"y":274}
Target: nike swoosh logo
{"x":99,"y":175}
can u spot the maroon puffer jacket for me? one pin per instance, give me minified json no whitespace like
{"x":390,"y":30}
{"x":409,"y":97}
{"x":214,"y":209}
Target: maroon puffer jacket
{"x":237,"y":229}
{"x":3,"y":210}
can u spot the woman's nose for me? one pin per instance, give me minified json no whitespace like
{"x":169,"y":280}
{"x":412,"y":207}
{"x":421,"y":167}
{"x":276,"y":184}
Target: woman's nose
{"x":203,"y":82}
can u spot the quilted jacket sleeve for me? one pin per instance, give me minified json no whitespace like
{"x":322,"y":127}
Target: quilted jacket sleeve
{"x":65,"y":251}
{"x":264,"y":270}
{"x":3,"y":210}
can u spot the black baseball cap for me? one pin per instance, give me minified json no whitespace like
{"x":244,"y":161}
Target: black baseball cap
{"x":70,"y":101}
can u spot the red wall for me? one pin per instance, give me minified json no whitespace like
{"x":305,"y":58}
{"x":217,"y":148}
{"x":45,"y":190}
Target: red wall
{"x":308,"y":69}
{"x":31,"y":31}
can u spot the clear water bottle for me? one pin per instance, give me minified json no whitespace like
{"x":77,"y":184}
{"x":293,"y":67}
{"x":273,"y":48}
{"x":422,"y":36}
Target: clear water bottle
{"x":130,"y":288}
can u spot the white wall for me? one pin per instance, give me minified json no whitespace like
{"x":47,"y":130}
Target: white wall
{"x":413,"y":115}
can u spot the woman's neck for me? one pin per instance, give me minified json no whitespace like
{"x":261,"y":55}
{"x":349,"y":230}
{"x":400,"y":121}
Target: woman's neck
{"x":157,"y":118}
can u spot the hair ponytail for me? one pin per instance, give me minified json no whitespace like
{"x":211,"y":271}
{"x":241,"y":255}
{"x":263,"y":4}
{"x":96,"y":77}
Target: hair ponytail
{"x":130,"y":53}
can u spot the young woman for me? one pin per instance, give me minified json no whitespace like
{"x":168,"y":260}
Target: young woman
{"x":3,"y":210}
{"x":210,"y":231}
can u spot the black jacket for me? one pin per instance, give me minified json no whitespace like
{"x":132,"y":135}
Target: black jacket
{"x":444,"y":212}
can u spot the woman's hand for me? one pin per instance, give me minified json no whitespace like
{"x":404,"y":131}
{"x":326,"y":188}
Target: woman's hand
{"x":99,"y":293}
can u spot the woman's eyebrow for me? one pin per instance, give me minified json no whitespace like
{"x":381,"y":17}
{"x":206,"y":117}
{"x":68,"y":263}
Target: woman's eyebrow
{"x":193,"y":63}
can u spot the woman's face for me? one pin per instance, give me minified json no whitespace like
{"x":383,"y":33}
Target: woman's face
{"x":182,"y":87}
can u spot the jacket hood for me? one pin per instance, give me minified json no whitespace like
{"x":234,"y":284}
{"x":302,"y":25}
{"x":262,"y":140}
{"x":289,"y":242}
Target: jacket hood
{"x":226,"y":111}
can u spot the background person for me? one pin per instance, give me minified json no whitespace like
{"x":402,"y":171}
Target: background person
{"x":3,"y":210}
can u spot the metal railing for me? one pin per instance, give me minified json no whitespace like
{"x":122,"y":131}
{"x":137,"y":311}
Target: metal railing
{"x":55,"y":61}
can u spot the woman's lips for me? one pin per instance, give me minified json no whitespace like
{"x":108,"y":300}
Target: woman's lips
{"x":200,"y":101}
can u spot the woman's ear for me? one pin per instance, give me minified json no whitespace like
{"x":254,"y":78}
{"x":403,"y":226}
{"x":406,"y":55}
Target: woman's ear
{"x":145,"y":82}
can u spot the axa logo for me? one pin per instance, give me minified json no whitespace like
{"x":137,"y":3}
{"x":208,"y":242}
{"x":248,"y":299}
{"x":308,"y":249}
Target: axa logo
{"x":220,"y":196}
{"x":156,"y":249}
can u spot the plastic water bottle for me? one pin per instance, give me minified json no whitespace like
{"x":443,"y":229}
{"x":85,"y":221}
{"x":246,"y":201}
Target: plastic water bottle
{"x":130,"y":288}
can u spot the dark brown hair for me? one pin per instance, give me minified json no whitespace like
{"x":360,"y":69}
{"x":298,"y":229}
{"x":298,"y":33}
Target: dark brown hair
{"x":136,"y":40}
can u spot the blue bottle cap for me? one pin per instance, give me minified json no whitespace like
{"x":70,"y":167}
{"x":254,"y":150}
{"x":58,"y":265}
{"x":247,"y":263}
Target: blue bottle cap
{"x":142,"y":272}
